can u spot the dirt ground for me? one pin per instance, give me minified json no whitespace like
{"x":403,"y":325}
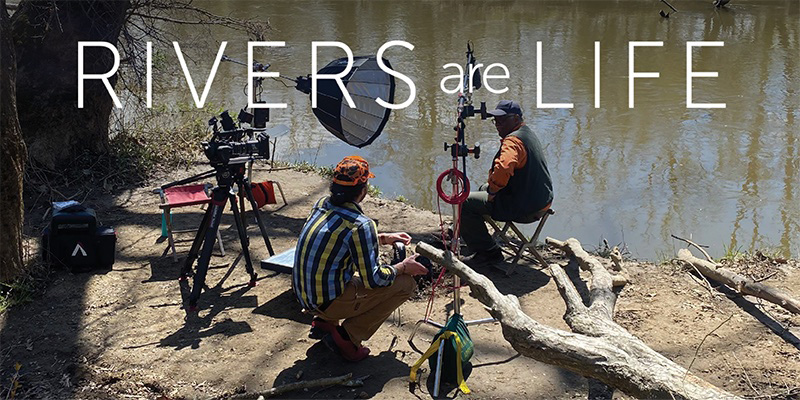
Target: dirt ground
{"x":124,"y":334}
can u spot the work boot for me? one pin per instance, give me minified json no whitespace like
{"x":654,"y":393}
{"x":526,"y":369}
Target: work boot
{"x":320,"y":328}
{"x":344,"y":347}
{"x":486,"y":257}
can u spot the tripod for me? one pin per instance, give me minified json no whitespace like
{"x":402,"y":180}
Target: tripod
{"x":227,"y":175}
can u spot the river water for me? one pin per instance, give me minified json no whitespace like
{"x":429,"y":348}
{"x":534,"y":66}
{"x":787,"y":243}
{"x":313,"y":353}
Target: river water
{"x":725,"y":177}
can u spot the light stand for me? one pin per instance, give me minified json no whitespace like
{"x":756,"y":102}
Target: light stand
{"x":457,"y":178}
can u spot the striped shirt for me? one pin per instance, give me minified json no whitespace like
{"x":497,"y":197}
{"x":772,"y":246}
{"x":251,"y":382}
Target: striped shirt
{"x":336,"y":242}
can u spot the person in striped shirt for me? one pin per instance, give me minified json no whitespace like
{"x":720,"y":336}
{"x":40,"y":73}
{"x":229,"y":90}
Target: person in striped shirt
{"x":337,"y":274}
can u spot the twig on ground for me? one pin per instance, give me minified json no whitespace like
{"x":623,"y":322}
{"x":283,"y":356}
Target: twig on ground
{"x":394,"y":342}
{"x":766,"y":277}
{"x":746,"y":376}
{"x":697,"y":350}
{"x":294,"y":386}
{"x":789,"y":393}
{"x":697,"y":246}
{"x":703,"y":277}
{"x":741,"y":284}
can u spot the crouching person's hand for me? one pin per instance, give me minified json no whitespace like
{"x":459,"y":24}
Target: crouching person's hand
{"x":410,"y":266}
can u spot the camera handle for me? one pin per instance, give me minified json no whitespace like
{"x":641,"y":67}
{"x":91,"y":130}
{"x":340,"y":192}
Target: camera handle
{"x":194,"y":178}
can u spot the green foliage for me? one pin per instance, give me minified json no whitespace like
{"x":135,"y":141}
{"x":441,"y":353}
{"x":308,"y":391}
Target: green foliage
{"x":732,"y":253}
{"x":603,"y":249}
{"x":772,"y":253}
{"x":663,"y":257}
{"x":373,"y":191}
{"x":325,"y":172}
{"x":20,"y":291}
{"x":307,"y":167}
{"x":158,"y":140}
{"x":401,"y":199}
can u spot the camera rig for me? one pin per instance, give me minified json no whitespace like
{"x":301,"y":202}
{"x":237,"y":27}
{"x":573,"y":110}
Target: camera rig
{"x":231,"y":152}
{"x":234,"y":145}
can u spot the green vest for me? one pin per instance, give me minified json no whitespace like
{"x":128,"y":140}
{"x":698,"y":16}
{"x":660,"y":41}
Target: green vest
{"x":530,"y":188}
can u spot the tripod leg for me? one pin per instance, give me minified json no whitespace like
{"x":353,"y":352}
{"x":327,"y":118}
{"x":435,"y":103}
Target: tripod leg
{"x":240,"y":228}
{"x":249,"y":193}
{"x":186,"y":270}
{"x":218,"y":200}
{"x":241,"y":207}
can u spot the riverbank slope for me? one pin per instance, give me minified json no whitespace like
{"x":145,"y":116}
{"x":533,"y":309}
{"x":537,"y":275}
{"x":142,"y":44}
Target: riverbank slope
{"x":123,"y":334}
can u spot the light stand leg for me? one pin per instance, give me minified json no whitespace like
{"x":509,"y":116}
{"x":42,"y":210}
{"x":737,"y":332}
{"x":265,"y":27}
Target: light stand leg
{"x":456,"y":295}
{"x":420,"y":322}
{"x":438,"y":380}
{"x":489,"y":320}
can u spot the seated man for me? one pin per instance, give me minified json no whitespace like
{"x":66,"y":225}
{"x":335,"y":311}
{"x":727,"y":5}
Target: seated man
{"x":337,"y":241}
{"x":519,"y":187}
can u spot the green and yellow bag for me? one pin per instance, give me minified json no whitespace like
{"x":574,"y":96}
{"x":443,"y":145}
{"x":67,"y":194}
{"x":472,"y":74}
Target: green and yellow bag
{"x":458,"y":349}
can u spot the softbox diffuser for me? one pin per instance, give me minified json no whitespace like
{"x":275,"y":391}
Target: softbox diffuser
{"x":366,"y":82}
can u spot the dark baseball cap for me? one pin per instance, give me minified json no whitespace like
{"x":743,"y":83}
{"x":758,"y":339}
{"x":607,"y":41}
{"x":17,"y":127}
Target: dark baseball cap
{"x":505,"y":107}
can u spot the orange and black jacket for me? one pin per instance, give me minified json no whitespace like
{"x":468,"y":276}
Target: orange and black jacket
{"x":519,"y":177}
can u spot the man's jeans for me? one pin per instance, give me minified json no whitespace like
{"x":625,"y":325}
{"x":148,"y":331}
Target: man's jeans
{"x":473,"y":227}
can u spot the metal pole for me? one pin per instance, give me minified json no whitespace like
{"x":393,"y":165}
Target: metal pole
{"x":454,"y":241}
{"x":437,"y":382}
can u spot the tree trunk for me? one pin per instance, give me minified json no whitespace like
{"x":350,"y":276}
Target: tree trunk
{"x":12,"y":159}
{"x":739,"y":283}
{"x":46,"y":35}
{"x":607,"y":352}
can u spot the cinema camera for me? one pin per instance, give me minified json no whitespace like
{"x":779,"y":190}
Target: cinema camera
{"x":235,"y":145}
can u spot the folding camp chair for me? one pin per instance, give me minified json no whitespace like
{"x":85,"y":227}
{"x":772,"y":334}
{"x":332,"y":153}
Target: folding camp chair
{"x":528,"y":244}
{"x":182,"y":196}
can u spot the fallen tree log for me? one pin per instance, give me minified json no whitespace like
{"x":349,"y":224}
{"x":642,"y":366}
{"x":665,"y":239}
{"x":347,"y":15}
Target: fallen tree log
{"x":739,"y":283}
{"x":605,"y":351}
{"x":600,"y":294}
{"x":602,"y":298}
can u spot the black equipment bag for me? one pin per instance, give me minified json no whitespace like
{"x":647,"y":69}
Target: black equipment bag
{"x":73,"y":240}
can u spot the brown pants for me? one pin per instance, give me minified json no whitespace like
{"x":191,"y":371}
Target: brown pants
{"x":364,"y":310}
